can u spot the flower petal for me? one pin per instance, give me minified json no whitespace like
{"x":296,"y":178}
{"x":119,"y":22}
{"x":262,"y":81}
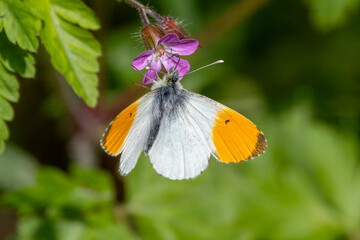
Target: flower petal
{"x":141,"y":61}
{"x":168,"y":62}
{"x":183,"y":47}
{"x":182,"y":66}
{"x":149,"y":77}
{"x":168,"y":38}
{"x":152,"y":73}
{"x":156,"y":65}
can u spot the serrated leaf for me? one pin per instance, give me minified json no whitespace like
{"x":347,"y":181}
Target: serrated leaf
{"x":6,"y":111}
{"x":76,"y":12}
{"x":16,"y":59}
{"x":20,"y":23}
{"x":73,"y":49}
{"x":8,"y":91}
{"x":8,"y":85}
{"x":4,"y":132}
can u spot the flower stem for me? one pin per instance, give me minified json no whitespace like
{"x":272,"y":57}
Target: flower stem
{"x":135,"y":4}
{"x":144,"y":10}
{"x":143,"y":16}
{"x":156,"y":16}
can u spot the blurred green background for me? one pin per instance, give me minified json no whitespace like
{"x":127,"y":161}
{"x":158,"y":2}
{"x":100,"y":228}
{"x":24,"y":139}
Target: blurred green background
{"x":292,"y":67}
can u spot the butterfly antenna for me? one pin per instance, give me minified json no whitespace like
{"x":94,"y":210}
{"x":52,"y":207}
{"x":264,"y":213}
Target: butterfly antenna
{"x":218,"y":61}
{"x":144,"y":75}
{"x":177,"y":64}
{"x":141,"y":85}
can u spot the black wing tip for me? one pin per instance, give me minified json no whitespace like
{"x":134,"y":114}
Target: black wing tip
{"x":260,"y":146}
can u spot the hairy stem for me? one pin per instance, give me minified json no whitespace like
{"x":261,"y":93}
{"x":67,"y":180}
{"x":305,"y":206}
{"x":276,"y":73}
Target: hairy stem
{"x":144,"y":10}
{"x":156,"y":16}
{"x":135,"y":4}
{"x":143,"y":16}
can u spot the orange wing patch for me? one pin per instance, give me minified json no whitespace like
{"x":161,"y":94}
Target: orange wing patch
{"x":236,"y":138}
{"x":118,"y":129}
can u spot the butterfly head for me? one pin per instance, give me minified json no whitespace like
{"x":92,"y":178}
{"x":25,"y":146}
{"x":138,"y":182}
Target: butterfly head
{"x":172,"y":76}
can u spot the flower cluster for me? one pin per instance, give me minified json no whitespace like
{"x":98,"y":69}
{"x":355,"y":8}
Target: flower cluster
{"x":166,"y":41}
{"x":166,"y":53}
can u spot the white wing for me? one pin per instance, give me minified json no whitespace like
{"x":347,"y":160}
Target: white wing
{"x":128,"y":132}
{"x":137,"y":137}
{"x":183,"y":145}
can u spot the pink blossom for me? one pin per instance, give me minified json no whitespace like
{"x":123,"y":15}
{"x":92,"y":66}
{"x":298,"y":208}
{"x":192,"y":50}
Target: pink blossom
{"x":166,"y":53}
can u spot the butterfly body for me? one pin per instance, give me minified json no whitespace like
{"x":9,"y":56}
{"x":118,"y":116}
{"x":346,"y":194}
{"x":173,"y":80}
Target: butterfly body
{"x":169,"y":97}
{"x":179,"y":130}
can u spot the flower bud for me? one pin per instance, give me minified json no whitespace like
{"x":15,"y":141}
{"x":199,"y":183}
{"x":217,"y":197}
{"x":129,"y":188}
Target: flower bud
{"x":171,"y":26}
{"x":151,"y":33}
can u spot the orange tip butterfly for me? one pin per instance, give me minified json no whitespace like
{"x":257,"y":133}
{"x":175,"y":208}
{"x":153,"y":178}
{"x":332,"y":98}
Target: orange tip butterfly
{"x":179,"y":130}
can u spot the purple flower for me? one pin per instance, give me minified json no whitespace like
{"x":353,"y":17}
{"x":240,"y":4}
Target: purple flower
{"x":166,"y":53}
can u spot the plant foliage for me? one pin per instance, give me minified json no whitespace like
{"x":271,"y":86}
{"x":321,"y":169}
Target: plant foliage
{"x":63,"y":27}
{"x":79,"y":206}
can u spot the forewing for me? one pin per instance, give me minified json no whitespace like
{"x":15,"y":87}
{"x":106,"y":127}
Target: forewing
{"x":128,"y":132}
{"x":232,"y":137}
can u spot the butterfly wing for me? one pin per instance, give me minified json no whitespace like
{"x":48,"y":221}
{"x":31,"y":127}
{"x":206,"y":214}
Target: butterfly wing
{"x":196,"y":130}
{"x":128,"y":132}
{"x":232,"y":137}
{"x":179,"y":150}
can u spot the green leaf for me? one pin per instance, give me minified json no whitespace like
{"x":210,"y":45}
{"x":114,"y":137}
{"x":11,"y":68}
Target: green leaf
{"x":9,"y":85}
{"x":12,"y":59}
{"x":16,"y":59}
{"x":76,"y":12}
{"x":69,"y":230}
{"x":8,"y":91}
{"x":328,"y":14}
{"x":1,"y":23}
{"x":20,"y":23}
{"x":94,"y":179}
{"x":28,"y":227}
{"x":57,"y":206}
{"x":17,"y":168}
{"x":6,"y":111}
{"x":73,"y":49}
{"x":114,"y":231}
{"x":4,"y":132}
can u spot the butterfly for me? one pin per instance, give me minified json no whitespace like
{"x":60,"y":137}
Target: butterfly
{"x":179,"y":130}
